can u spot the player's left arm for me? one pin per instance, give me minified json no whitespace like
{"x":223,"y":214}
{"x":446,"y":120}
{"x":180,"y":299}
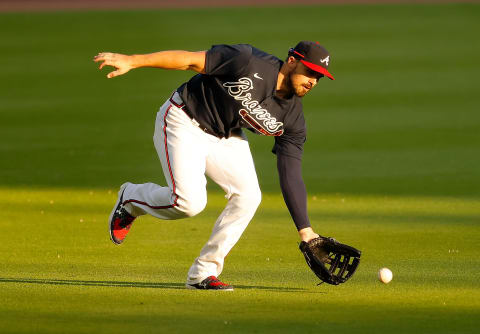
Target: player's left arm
{"x":170,"y":60}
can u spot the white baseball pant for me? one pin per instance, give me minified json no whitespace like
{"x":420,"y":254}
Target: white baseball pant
{"x":187,"y":153}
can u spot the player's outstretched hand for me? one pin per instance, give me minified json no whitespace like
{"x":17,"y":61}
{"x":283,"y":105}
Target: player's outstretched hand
{"x":307,"y":234}
{"x":121,"y":62}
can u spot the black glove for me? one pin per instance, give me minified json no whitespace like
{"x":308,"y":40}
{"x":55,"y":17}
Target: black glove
{"x":331,"y":261}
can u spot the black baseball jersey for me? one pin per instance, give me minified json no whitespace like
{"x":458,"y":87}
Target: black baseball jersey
{"x":238,"y":91}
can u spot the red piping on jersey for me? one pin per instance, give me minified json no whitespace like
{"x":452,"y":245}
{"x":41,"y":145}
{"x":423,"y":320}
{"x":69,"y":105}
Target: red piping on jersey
{"x":169,"y":169}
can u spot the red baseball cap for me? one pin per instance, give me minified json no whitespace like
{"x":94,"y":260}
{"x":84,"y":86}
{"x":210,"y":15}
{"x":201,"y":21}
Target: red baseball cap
{"x":314,"y":56}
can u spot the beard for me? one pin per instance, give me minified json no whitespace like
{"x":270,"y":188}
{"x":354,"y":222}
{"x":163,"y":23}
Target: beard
{"x":301,"y":91}
{"x":296,"y":89}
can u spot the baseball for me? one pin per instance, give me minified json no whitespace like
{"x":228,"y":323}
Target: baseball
{"x":385,"y":275}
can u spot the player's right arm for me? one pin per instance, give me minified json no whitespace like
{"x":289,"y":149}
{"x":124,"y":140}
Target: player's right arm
{"x":295,"y":194}
{"x":169,"y":60}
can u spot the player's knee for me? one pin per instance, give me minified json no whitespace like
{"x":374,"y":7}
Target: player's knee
{"x":192,"y":206}
{"x":251,"y":198}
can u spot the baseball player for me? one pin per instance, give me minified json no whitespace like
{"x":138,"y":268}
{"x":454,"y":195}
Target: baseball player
{"x":198,"y":132}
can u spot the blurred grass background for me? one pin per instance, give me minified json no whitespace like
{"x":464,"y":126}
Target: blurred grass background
{"x":401,"y":118}
{"x":391,"y":165}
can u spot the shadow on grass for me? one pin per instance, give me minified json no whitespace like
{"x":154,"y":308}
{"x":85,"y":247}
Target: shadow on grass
{"x":152,"y":285}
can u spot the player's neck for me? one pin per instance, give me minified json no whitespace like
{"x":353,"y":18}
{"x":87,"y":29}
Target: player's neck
{"x":283,"y":90}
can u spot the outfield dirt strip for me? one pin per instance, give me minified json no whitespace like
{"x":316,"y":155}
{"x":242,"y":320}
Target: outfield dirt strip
{"x":48,"y":5}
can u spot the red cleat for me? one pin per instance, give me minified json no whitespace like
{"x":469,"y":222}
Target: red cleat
{"x":120,"y":220}
{"x":210,"y":283}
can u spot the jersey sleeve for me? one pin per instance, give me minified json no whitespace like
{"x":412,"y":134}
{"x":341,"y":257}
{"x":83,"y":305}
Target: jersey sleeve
{"x":227,"y":59}
{"x":293,"y":189}
{"x":289,"y":164}
{"x":289,"y":150}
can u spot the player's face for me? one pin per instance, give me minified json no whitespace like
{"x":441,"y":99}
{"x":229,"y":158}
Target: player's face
{"x":302,"y":79}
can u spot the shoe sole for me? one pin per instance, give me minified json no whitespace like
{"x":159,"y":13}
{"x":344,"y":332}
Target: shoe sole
{"x":115,"y":207}
{"x":189,"y":287}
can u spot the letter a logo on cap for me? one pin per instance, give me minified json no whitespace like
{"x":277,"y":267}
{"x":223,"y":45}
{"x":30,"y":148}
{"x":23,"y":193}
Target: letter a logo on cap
{"x":325,"y":60}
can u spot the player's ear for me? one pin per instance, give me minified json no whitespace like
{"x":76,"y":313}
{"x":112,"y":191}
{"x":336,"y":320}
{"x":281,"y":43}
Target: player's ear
{"x":291,"y":63}
{"x":291,"y":60}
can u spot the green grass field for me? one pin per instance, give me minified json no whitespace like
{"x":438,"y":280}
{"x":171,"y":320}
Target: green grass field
{"x":392,"y":166}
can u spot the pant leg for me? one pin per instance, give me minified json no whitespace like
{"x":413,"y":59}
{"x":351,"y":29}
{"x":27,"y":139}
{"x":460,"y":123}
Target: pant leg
{"x":231,"y":166}
{"x":182,"y":149}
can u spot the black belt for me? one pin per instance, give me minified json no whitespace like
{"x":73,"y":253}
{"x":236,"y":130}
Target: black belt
{"x":177,"y":102}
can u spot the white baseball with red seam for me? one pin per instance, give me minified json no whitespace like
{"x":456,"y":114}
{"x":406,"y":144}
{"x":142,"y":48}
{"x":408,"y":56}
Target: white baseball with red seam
{"x":385,"y":275}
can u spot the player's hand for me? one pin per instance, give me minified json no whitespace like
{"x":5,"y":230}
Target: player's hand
{"x":122,"y":63}
{"x":307,"y":234}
